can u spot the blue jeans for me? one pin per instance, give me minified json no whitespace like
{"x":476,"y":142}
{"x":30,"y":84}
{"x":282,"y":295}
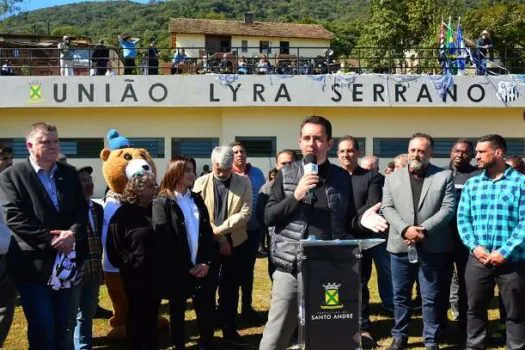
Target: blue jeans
{"x":384,"y":281}
{"x":47,"y":313}
{"x":84,"y":300}
{"x":432,"y":272}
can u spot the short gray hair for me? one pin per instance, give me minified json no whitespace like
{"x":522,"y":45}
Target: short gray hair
{"x":222,"y":155}
{"x":373,"y":159}
{"x":39,"y":126}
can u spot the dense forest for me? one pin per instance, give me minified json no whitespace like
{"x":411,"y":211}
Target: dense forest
{"x":396,"y":24}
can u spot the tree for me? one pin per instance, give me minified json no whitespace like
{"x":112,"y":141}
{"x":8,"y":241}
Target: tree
{"x":345,"y":37}
{"x":67,"y":30}
{"x":506,"y":24}
{"x":383,"y":37}
{"x":9,"y":6}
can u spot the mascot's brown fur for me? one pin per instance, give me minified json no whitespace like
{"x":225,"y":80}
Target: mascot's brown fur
{"x":120,"y":162}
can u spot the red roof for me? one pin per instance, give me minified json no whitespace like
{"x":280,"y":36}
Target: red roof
{"x":265,"y":29}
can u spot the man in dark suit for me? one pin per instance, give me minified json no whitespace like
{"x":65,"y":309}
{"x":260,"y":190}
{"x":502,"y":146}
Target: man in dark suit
{"x":418,"y":202}
{"x":367,"y":189}
{"x":44,"y":207}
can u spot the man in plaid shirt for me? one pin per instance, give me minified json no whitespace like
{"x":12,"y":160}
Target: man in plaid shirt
{"x":491,"y":223}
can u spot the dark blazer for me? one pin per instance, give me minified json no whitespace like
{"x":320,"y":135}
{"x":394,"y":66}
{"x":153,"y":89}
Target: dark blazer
{"x":367,"y":188}
{"x":173,"y":256}
{"x":100,"y":218}
{"x":30,"y":214}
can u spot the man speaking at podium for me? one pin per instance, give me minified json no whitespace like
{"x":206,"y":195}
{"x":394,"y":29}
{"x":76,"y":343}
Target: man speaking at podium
{"x":307,"y":200}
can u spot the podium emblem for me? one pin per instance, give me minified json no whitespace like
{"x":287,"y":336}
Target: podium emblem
{"x":331,"y":296}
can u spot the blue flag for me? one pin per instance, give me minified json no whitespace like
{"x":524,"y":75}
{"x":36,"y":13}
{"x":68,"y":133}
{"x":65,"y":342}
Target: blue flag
{"x":462,"y":52}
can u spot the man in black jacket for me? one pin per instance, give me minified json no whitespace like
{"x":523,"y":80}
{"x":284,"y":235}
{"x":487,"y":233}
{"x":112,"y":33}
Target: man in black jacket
{"x":368,"y":191}
{"x":460,"y":157}
{"x":100,"y":58}
{"x":44,"y":206}
{"x":331,"y":215}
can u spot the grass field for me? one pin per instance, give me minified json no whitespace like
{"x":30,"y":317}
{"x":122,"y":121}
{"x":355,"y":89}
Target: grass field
{"x":381,"y":323}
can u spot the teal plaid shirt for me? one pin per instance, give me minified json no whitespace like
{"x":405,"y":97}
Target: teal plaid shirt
{"x":491,"y":214}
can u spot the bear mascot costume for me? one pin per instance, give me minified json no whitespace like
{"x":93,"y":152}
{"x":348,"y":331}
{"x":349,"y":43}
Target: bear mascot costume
{"x":119,"y":162}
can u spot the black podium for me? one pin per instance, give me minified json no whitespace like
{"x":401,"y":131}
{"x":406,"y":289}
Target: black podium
{"x":330,"y":293}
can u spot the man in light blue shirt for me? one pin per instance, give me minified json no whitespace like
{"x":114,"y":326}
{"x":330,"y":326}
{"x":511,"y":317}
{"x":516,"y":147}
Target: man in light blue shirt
{"x":129,"y":52}
{"x":44,"y":207}
{"x":491,"y":224}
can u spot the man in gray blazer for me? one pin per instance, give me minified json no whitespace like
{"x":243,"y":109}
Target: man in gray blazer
{"x":418,"y":203}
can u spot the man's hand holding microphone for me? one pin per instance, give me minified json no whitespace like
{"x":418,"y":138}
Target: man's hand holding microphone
{"x":305,"y":190}
{"x":306,"y":187}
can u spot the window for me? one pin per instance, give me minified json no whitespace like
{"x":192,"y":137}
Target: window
{"x":390,"y":147}
{"x":82,"y":148}
{"x":361,"y":142}
{"x":154,"y":145}
{"x":225,"y":45}
{"x":515,"y":147}
{"x":258,"y":146}
{"x":18,"y":146}
{"x":443,"y":146}
{"x":244,"y":46}
{"x":71,"y":147}
{"x":193,"y":147}
{"x":264,"y":47}
{"x":284,"y":47}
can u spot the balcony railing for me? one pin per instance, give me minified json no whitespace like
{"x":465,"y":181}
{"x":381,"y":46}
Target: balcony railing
{"x":249,"y":60}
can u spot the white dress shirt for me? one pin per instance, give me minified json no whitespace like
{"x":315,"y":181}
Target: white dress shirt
{"x":191,"y":221}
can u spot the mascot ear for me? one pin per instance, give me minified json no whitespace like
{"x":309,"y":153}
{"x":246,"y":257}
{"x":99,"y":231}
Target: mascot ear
{"x":104,"y":154}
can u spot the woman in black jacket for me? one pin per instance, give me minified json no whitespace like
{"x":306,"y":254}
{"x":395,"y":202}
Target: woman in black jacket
{"x":186,"y":252}
{"x":131,"y":247}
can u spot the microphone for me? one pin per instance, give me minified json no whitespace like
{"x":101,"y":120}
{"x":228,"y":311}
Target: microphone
{"x":310,"y":167}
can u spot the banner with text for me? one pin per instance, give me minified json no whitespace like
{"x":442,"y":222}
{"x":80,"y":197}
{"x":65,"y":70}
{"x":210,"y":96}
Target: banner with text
{"x":264,"y":91}
{"x":330,"y":295}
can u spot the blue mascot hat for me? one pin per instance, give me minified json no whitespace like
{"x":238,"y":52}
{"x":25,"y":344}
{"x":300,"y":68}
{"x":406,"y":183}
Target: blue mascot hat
{"x":116,"y":141}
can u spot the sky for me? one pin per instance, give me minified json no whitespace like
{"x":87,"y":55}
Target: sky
{"x":29,"y":5}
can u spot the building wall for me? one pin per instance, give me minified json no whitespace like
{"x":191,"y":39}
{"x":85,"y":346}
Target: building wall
{"x":191,"y":40}
{"x":280,"y":122}
{"x":316,"y":46}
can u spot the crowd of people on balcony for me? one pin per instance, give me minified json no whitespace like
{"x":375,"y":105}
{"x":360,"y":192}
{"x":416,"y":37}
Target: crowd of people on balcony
{"x":132,"y":59}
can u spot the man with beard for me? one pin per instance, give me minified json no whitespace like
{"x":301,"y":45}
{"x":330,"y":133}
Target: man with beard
{"x":418,"y":202}
{"x":460,"y":157}
{"x":491,"y":223}
{"x":367,"y":189}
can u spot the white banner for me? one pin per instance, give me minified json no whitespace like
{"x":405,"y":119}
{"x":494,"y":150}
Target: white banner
{"x":263,"y":90}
